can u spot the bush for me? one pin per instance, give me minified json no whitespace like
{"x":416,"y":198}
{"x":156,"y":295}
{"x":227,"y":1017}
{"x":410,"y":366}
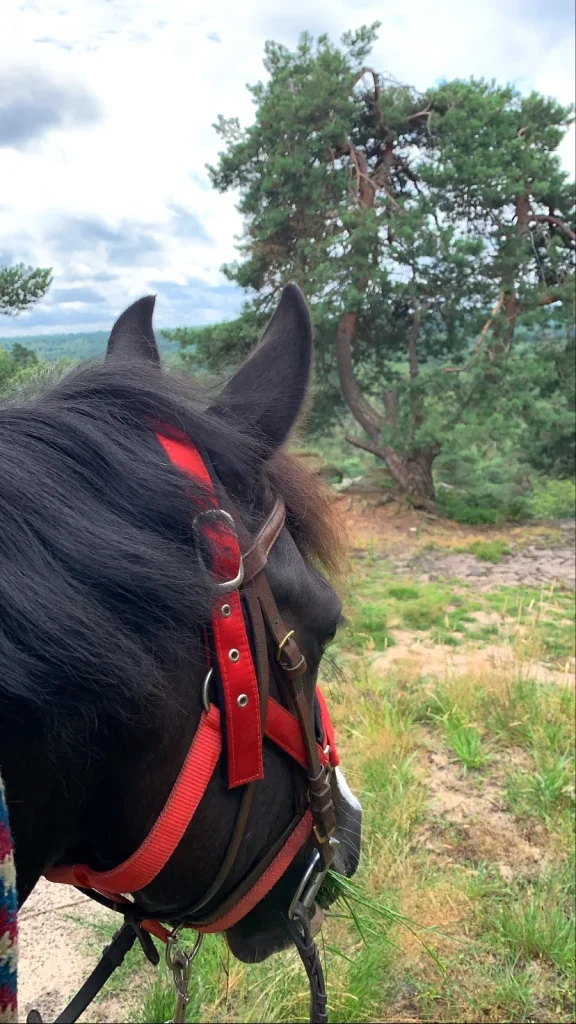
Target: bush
{"x":553,"y":499}
{"x":475,"y":508}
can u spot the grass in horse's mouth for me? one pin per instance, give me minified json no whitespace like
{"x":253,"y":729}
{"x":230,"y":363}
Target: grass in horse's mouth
{"x":354,"y":902}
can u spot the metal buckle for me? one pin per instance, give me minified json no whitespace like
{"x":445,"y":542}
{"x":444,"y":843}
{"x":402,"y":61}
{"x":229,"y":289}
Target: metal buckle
{"x":283,"y":643}
{"x":218,"y":514}
{"x":310,"y":883}
{"x":323,"y":837}
{"x":179,"y":963}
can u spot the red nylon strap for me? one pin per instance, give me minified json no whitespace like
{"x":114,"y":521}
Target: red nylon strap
{"x":139,"y":870}
{"x":259,"y":890}
{"x":328,"y":728}
{"x":275,"y":870}
{"x":238,"y":677}
{"x":151,"y":856}
{"x":283,"y":728}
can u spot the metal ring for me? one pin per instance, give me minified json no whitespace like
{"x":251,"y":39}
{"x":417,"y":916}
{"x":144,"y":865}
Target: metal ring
{"x":234,"y":654}
{"x":242,"y":700}
{"x":206,"y":690}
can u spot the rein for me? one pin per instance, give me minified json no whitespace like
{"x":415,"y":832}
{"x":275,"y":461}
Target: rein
{"x":246,"y":714}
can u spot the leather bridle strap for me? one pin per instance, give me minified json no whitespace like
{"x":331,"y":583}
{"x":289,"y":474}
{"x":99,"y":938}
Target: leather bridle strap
{"x":256,"y":555}
{"x":293,"y":666}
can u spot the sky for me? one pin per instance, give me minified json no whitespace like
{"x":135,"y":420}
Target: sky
{"x":106,"y":115}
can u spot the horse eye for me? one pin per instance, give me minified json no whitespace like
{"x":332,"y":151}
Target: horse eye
{"x":328,"y":638}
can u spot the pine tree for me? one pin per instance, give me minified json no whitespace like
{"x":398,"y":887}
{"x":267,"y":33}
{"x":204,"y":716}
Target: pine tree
{"x":21,"y":286}
{"x":424,"y":230}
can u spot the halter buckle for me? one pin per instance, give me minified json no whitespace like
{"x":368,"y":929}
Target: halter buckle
{"x":218,"y":516}
{"x":323,"y":837}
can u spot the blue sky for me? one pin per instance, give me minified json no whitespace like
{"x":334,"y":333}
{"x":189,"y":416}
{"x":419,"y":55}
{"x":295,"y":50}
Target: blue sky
{"x":106,"y":114}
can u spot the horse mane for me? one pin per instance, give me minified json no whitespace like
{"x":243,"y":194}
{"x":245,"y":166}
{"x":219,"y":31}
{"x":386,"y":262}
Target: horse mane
{"x":100,"y":593}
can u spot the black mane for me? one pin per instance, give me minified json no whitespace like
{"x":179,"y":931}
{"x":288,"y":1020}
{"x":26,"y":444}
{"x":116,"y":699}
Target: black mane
{"x":100,"y":590}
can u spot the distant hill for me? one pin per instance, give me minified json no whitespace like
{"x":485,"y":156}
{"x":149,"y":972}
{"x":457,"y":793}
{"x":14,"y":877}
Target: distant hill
{"x":84,"y":345}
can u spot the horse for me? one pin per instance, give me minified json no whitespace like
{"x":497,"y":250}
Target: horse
{"x":141,"y":518}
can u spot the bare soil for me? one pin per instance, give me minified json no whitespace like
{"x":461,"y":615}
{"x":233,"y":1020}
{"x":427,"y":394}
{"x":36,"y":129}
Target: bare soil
{"x":55,"y":954}
{"x":479,"y":827}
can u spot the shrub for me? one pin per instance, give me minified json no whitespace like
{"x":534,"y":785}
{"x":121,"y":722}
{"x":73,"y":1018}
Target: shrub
{"x":553,"y":499}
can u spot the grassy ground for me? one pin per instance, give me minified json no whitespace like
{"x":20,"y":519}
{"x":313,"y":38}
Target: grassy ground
{"x":468,"y":793}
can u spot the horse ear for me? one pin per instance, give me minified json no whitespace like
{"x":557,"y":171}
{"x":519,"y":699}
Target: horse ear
{"x":132,"y":336}
{"x":268,"y":391}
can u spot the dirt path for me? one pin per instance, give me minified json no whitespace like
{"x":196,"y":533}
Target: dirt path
{"x":56,"y":953}
{"x":533,"y":567}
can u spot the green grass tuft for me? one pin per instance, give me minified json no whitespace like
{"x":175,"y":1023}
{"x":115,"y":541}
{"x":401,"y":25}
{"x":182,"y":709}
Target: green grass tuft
{"x":466,"y":742}
{"x":538,"y":927}
{"x":489,"y":550}
{"x":542,"y":792}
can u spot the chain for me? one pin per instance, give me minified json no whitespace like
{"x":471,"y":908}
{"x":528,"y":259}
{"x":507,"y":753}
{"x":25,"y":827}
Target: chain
{"x":180,"y":963}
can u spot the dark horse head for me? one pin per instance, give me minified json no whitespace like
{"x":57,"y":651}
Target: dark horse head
{"x":104,"y":604}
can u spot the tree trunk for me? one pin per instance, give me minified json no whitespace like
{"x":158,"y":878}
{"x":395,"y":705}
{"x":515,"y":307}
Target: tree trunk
{"x":504,"y":338}
{"x":363,"y":412}
{"x":413,"y":474}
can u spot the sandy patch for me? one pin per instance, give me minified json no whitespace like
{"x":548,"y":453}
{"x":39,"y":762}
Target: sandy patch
{"x":483,"y":831}
{"x":56,"y":954}
{"x":442,"y":662}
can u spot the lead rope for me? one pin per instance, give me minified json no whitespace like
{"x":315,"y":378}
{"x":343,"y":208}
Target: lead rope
{"x":310,"y":957}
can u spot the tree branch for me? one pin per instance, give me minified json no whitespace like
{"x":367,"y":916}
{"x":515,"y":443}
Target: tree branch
{"x":547,"y":300}
{"x":363,"y":411}
{"x":496,"y":309}
{"x":390,"y":400}
{"x":358,"y":442}
{"x":426,"y":112}
{"x":548,"y":218}
{"x":481,"y":337}
{"x":413,"y":335}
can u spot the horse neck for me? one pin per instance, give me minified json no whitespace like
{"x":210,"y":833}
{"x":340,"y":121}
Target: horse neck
{"x":44,"y":795}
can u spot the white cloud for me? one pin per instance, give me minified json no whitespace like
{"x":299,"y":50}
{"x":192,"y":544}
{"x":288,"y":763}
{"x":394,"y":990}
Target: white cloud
{"x":160,"y":74}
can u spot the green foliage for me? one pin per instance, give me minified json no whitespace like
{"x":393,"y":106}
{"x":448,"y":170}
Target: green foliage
{"x":489,"y":550}
{"x":553,"y":499}
{"x":25,"y":376}
{"x":550,"y":787}
{"x":540,"y":927}
{"x":466,"y":742}
{"x":21,"y":287}
{"x":495,"y":453}
{"x":216,"y":348}
{"x":14,"y":364}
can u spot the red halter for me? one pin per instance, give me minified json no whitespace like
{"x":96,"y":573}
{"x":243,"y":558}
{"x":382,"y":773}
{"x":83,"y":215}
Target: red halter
{"x":242,"y":714}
